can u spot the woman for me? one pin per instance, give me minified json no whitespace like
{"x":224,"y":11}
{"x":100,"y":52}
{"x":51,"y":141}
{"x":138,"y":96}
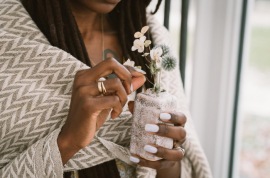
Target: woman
{"x":95,"y":32}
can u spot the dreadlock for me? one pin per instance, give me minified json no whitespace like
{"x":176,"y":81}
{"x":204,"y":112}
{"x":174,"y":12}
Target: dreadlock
{"x":56,"y":21}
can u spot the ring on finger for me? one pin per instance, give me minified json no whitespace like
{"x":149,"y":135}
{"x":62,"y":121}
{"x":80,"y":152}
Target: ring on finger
{"x":101,"y":87}
{"x":180,"y":149}
{"x":99,"y":84}
{"x":104,"y":91}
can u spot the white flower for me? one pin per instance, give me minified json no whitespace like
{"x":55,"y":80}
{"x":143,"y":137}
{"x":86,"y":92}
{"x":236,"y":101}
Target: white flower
{"x":155,"y":54}
{"x":143,"y":31}
{"x":147,"y":43}
{"x":138,"y":44}
{"x":129,"y":63}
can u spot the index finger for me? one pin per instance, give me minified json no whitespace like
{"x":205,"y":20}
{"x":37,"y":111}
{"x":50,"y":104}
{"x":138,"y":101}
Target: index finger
{"x":177,"y":118}
{"x":107,"y":67}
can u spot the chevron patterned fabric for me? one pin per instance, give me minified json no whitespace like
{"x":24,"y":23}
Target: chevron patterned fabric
{"x":35,"y":89}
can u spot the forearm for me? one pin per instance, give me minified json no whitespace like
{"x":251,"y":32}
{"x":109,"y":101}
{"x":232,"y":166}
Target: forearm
{"x":172,"y":172}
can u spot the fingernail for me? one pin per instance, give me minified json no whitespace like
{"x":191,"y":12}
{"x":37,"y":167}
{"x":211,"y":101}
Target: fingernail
{"x":151,"y":128}
{"x":150,"y":149}
{"x":140,"y":70}
{"x":131,"y":88}
{"x":134,"y":159}
{"x":165,"y":116}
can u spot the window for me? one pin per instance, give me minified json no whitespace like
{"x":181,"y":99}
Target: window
{"x":228,"y":81}
{"x":254,"y":114}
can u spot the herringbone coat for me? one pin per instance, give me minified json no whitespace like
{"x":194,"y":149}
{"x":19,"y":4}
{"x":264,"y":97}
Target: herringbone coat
{"x":35,"y":89}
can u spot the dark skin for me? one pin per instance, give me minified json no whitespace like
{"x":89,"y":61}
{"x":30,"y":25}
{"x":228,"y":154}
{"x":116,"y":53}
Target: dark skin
{"x":89,"y":110}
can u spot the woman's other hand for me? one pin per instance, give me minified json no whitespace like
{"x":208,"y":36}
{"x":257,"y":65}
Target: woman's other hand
{"x":88,"y":105}
{"x":171,"y":157}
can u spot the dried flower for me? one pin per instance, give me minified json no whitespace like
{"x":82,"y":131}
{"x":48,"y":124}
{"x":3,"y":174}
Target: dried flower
{"x":132,"y":64}
{"x":165,"y":49}
{"x":168,"y":62}
{"x":143,"y":31}
{"x":159,"y":57}
{"x":129,"y":63}
{"x":147,"y":43}
{"x":138,"y":44}
{"x":156,"y":54}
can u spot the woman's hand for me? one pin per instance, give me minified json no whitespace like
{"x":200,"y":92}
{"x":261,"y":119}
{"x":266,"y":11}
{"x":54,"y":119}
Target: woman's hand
{"x":171,"y":157}
{"x":88,"y":108}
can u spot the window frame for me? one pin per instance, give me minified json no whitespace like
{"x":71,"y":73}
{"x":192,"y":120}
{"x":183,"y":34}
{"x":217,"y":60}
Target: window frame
{"x":216,"y":79}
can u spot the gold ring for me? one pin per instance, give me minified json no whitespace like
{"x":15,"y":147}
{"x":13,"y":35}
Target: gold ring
{"x":101,"y":87}
{"x":180,"y":149}
{"x":104,"y":91}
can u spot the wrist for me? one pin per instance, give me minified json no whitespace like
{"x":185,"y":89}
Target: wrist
{"x":66,"y":147}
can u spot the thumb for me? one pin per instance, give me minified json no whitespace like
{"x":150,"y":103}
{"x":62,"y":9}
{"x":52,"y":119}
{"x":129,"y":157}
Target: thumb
{"x":138,"y":78}
{"x":131,"y":106}
{"x":137,"y":82}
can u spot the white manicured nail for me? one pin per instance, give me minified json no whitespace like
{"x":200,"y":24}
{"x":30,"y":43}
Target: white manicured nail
{"x":134,"y":159}
{"x":131,"y":88}
{"x":151,"y":128}
{"x":150,"y":149}
{"x":165,"y":116}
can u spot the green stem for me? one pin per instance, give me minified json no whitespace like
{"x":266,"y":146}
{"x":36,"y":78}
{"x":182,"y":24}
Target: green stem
{"x":157,"y":79}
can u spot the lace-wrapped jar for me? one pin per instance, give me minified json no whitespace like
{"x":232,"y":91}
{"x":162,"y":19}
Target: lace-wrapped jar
{"x":147,"y":108}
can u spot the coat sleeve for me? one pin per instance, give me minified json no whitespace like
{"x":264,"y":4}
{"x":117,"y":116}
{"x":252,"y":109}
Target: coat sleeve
{"x":42,"y":159}
{"x":36,"y":81}
{"x":30,"y":113}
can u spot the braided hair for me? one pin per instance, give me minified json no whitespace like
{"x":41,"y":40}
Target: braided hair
{"x":56,"y":21}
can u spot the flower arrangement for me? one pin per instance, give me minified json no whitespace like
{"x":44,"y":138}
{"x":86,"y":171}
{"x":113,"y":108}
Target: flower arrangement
{"x":150,"y":103}
{"x":159,"y":56}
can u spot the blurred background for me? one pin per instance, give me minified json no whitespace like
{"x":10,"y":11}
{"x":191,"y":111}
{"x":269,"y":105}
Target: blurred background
{"x":227,"y":79}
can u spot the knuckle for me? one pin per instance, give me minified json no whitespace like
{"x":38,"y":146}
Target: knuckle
{"x":116,"y":99}
{"x":117,"y":103}
{"x":117,"y":82}
{"x":79,"y":74}
{"x":111,"y":61}
{"x":77,"y":82}
{"x":183,"y":134}
{"x":175,"y":118}
{"x":179,"y":156}
{"x":180,"y":118}
{"x":125,"y":99}
{"x":80,"y":92}
{"x":162,"y":152}
{"x":184,"y":118}
{"x":163,"y":129}
{"x":129,"y":78}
